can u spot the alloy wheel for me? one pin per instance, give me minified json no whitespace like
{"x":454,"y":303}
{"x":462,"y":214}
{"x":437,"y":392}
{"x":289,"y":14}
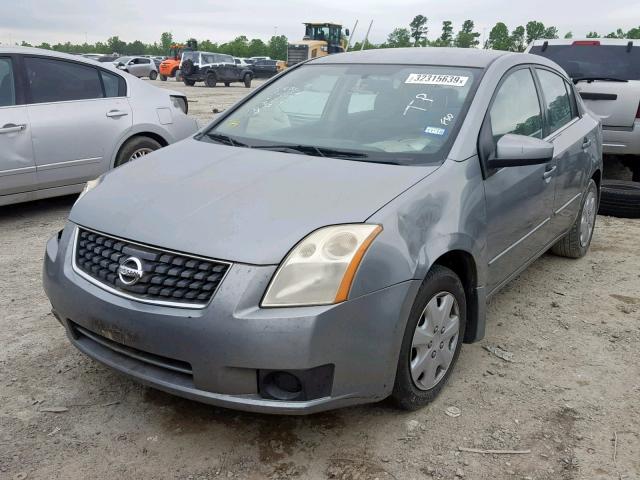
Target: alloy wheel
{"x":141,"y":152}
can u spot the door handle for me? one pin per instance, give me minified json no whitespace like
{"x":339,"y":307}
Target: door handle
{"x":586,"y":143}
{"x":116,"y":113}
{"x":12,"y":127}
{"x":547,"y":173}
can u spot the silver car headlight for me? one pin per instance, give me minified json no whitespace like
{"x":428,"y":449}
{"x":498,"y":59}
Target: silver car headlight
{"x":320,"y":269}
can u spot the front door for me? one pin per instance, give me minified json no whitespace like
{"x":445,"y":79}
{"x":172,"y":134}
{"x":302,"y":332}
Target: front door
{"x":17,"y":166}
{"x":519,"y":200}
{"x":78,"y":113}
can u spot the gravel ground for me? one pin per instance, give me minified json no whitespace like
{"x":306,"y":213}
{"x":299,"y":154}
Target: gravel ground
{"x":569,"y":397}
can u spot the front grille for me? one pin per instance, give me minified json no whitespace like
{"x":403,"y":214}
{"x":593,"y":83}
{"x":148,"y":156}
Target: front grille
{"x":168,"y":277}
{"x":297,"y":54}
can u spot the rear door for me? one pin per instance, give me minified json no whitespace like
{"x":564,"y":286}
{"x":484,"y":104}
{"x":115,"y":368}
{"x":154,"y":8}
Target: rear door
{"x":572,"y":137}
{"x":519,"y":200}
{"x":17,"y":165}
{"x":78,"y":113}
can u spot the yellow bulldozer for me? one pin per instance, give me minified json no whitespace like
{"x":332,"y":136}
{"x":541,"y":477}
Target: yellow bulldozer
{"x":320,"y":39}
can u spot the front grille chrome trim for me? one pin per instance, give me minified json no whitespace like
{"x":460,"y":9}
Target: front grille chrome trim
{"x":164,"y":303}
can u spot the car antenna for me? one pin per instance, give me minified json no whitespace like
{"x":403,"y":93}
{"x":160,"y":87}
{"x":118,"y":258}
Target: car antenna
{"x":545,"y":45}
{"x":629,"y":46}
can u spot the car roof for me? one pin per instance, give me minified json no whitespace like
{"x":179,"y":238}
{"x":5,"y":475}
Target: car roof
{"x":571,"y":41}
{"x":468,"y":57}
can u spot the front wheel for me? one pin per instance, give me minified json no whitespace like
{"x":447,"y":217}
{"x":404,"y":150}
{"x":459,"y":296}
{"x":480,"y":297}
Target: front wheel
{"x":247,"y":80}
{"x":432,"y":339}
{"x":576,"y":242}
{"x":211,"y":80}
{"x":163,"y":78}
{"x":153,"y":75}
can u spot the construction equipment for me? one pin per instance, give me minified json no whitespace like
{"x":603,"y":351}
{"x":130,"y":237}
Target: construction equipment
{"x":320,"y":39}
{"x":170,"y":65}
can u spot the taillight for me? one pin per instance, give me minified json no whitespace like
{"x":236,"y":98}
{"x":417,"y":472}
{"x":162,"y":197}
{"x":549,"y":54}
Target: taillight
{"x":181,"y":103}
{"x":586,"y":42}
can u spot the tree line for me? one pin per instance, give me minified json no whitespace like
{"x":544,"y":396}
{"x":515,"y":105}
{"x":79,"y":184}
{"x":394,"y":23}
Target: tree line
{"x":415,"y":35}
{"x":275,"y":47}
{"x":500,"y":36}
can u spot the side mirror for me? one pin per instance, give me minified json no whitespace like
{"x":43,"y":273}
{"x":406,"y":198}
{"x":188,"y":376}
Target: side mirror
{"x":520,"y":150}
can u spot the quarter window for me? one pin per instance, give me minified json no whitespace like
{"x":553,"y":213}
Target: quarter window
{"x":7,"y":86}
{"x":114,"y":85}
{"x":516,"y":108}
{"x":554,"y":89}
{"x":59,"y":81}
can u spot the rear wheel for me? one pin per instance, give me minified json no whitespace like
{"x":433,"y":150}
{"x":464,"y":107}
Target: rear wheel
{"x":576,"y":243}
{"x":247,"y":80}
{"x":211,"y":80}
{"x":153,"y":75}
{"x":178,"y":75}
{"x":189,"y":83}
{"x":226,"y":84}
{"x":163,"y":78}
{"x":432,"y":339}
{"x":135,"y":148}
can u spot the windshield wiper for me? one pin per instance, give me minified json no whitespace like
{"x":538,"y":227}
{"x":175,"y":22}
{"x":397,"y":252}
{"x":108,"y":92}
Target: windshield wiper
{"x":225,"y":139}
{"x":603,"y":79}
{"x":313,"y":150}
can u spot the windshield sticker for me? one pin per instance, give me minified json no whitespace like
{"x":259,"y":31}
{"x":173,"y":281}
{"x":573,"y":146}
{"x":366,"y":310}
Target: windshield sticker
{"x":433,"y":79}
{"x":422,"y":97}
{"x":435,"y":131}
{"x":233,"y":123}
{"x":447,"y":119}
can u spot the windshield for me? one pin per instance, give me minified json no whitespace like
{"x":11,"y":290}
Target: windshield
{"x":599,"y":61}
{"x":379,"y":113}
{"x":123,"y":60}
{"x":193,"y":56}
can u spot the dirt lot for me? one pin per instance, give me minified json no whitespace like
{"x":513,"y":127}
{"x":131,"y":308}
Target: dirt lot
{"x":570,"y":396}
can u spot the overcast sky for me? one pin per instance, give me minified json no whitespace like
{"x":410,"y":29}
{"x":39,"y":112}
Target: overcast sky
{"x":55,"y":21}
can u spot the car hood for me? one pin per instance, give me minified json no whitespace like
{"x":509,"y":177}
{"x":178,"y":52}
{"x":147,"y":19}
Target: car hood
{"x":236,"y":204}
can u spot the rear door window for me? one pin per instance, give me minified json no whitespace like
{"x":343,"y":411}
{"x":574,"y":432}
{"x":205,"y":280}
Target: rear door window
{"x":52,"y":80}
{"x":7,"y":85}
{"x":559,"y":111}
{"x":516,"y":107}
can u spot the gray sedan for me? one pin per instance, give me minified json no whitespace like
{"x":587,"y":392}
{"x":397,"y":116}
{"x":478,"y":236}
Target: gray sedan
{"x":65,"y":119}
{"x":332,"y":239}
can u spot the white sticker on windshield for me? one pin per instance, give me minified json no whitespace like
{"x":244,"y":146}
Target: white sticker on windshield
{"x":433,"y":79}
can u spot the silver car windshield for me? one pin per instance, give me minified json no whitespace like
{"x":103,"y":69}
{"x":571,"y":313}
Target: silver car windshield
{"x":380,"y":113}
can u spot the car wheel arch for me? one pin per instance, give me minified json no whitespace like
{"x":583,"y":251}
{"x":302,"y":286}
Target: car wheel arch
{"x":143,"y":133}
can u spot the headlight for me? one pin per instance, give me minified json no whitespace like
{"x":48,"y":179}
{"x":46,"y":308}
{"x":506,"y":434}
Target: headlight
{"x":90,"y":185}
{"x":320,"y":269}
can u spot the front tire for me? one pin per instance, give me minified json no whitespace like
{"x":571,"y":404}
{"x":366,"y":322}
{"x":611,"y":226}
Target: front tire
{"x":211,"y":80}
{"x":163,"y":78}
{"x":153,"y":75}
{"x":432,"y":339}
{"x":135,"y":148}
{"x":575,"y":243}
{"x":247,"y":80}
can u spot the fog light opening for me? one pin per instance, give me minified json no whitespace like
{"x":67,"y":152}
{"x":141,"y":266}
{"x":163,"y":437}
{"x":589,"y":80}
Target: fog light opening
{"x":282,"y":386}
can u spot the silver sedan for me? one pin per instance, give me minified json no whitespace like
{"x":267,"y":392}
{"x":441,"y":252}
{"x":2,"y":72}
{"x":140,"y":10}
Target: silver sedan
{"x":65,"y":120}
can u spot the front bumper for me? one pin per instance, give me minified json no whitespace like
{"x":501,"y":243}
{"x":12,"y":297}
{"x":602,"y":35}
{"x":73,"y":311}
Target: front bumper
{"x":227,"y":345}
{"x":621,"y":141}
